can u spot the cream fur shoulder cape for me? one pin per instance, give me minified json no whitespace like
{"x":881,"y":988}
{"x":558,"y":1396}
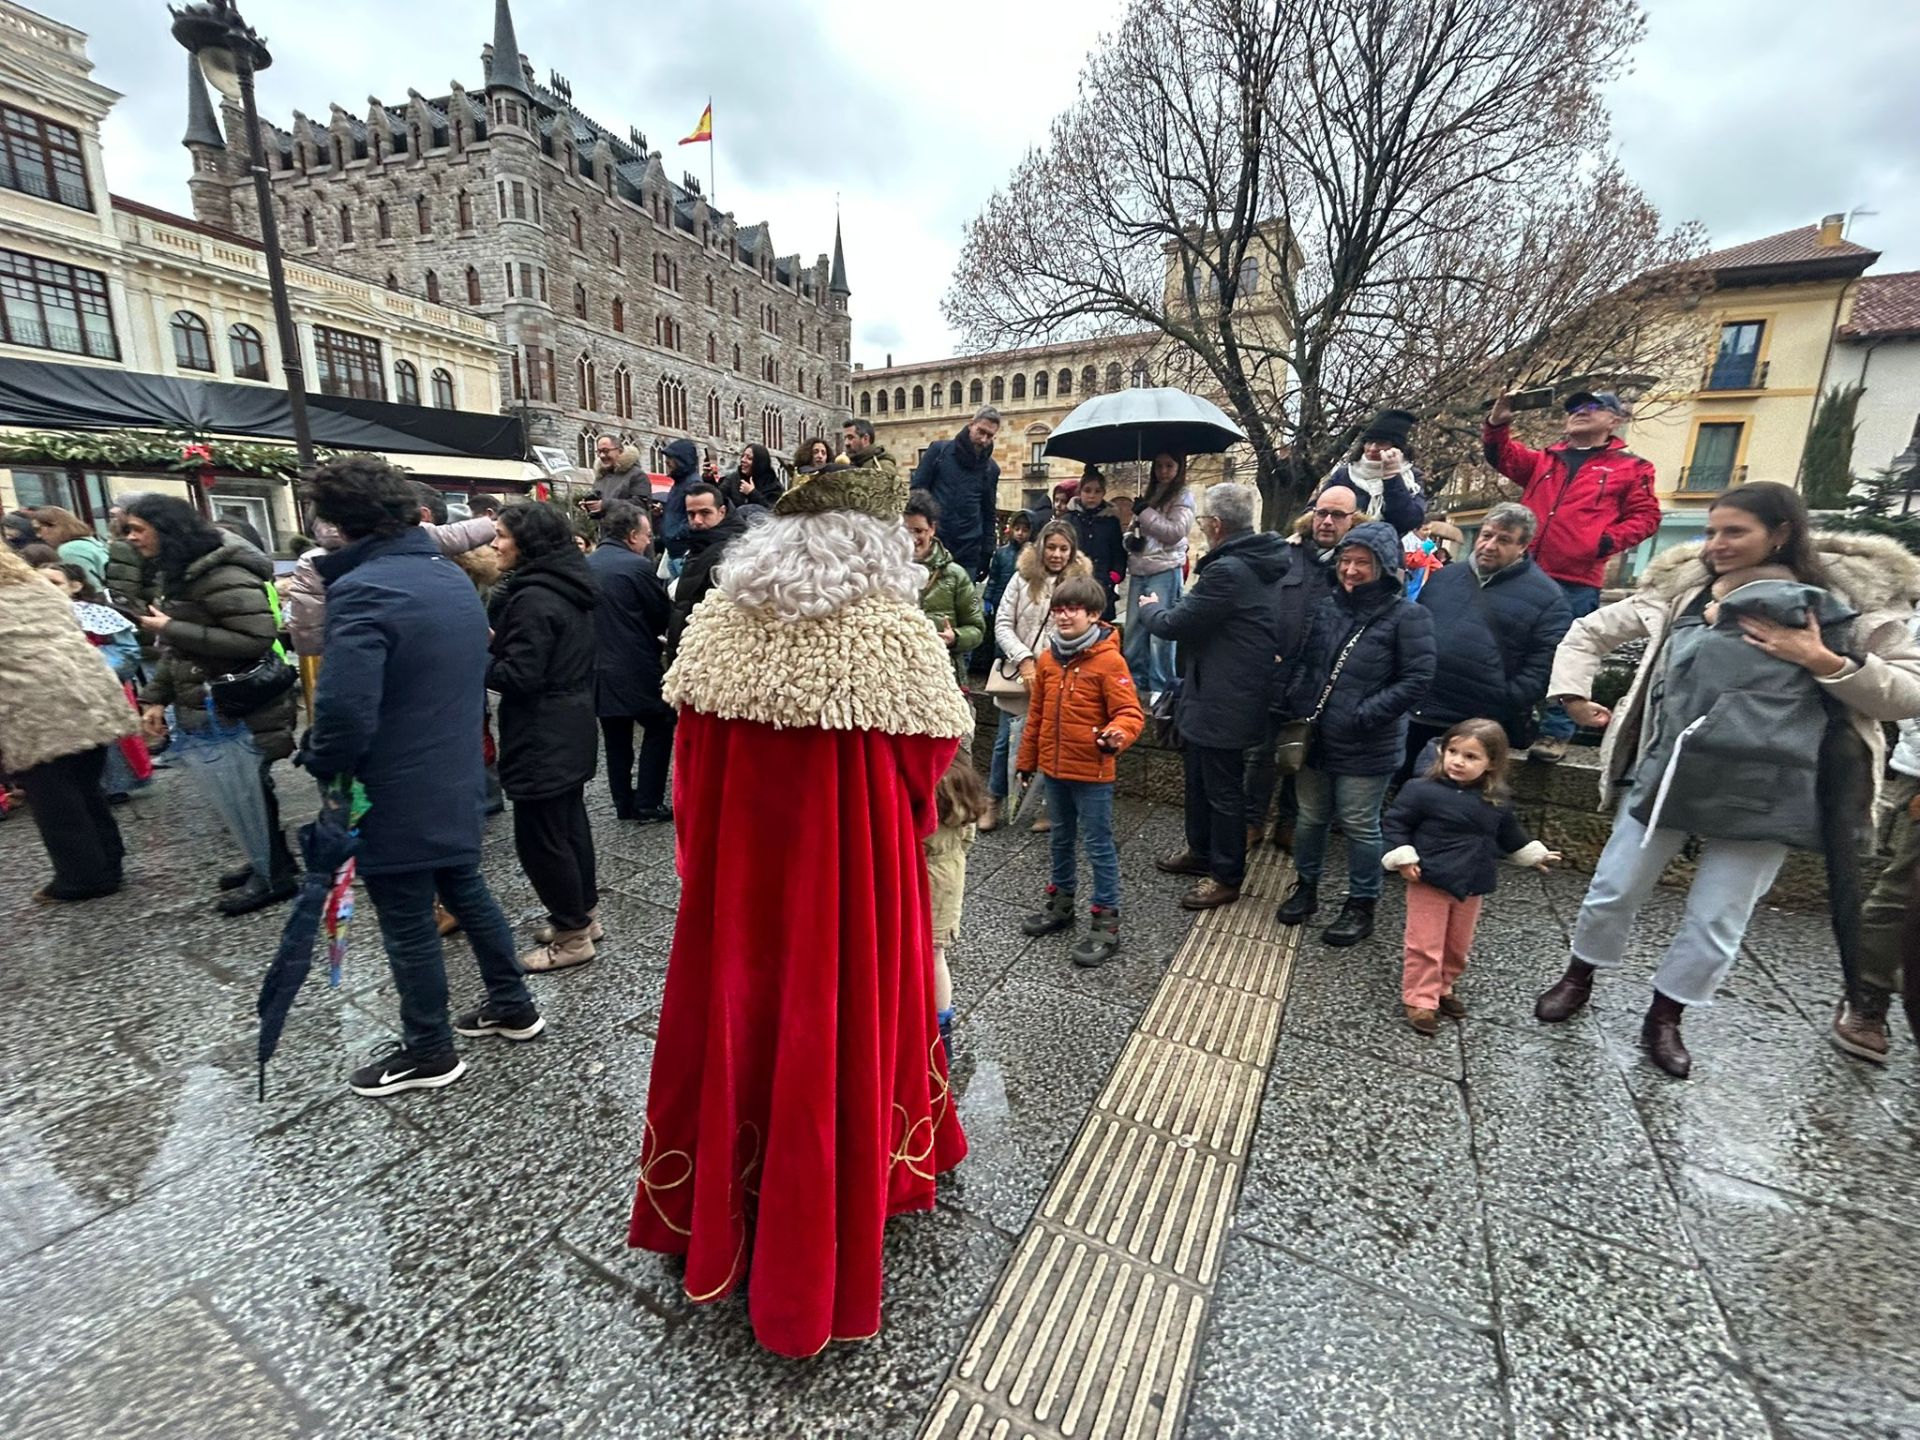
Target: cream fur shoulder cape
{"x":875,"y":664}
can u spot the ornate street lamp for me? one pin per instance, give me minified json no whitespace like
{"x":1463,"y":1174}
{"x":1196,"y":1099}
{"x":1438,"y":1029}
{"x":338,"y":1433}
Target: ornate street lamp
{"x":229,"y":52}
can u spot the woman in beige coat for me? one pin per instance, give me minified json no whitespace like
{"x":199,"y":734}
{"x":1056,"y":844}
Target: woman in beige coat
{"x":60,"y":708}
{"x":1873,"y":677}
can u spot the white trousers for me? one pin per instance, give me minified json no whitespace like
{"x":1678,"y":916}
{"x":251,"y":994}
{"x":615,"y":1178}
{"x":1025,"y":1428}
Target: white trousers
{"x":1731,"y":877}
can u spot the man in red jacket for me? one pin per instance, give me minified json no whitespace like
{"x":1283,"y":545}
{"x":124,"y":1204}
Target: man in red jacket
{"x":1593,"y":498}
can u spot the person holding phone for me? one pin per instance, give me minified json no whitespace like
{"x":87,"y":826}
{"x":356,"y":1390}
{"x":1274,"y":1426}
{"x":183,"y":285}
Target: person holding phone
{"x":1593,"y":499}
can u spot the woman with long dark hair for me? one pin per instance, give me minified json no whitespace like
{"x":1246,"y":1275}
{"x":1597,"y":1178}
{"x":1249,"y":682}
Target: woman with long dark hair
{"x":754,"y":481}
{"x":216,"y":617}
{"x":542,"y":668}
{"x":1772,"y":657}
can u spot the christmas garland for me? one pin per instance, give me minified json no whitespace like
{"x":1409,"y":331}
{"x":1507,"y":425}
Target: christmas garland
{"x":152,"y":450}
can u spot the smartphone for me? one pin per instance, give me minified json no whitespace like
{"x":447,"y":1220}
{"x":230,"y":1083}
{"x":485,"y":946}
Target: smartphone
{"x":1538,"y":398}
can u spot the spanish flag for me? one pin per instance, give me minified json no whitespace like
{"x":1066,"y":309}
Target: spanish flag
{"x":703,"y":132}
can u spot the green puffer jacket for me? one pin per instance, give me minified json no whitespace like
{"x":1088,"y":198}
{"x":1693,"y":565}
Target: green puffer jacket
{"x":133,"y":583}
{"x":949,"y":598}
{"x":221,"y":622}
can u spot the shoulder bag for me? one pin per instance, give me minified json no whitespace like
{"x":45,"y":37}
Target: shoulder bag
{"x":1004,"y":676}
{"x":1296,"y":736}
{"x":241,"y":692}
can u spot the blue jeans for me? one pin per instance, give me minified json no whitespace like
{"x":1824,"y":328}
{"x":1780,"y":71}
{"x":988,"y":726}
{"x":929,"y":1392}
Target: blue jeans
{"x":1356,"y":799}
{"x":404,"y":903}
{"x":1006,"y":751}
{"x":1555,"y":723}
{"x":1084,"y":808}
{"x":1150,"y":659}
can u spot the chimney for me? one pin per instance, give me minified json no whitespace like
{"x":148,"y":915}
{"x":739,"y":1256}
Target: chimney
{"x":1833,"y":231}
{"x":889,"y":360}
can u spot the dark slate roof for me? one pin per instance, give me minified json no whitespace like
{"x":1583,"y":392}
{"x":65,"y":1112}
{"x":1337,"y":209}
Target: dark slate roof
{"x":503,"y":66}
{"x":1884,"y":307}
{"x":837,"y":285}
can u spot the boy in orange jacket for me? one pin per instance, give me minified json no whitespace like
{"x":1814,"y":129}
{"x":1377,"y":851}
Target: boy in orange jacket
{"x":1082,"y":712}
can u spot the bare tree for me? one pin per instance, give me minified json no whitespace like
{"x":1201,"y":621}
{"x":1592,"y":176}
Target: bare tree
{"x":1323,"y":206}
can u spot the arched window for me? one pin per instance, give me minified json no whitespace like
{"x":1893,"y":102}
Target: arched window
{"x":953,"y":393}
{"x":442,"y":390}
{"x":1066,"y":382}
{"x":713,"y":413}
{"x":866,"y":402}
{"x":575,"y":229}
{"x":423,"y":214}
{"x":1141,"y":376}
{"x":773,"y":428}
{"x":623,"y":392}
{"x":588,"y":377}
{"x":713,"y":348}
{"x":383,"y":219}
{"x":346,"y":225}
{"x":974,"y":393}
{"x":393,"y":281}
{"x":900,"y":399}
{"x":800,"y":380}
{"x":466,"y":211}
{"x":586,"y":447}
{"x":619,"y":314}
{"x":307,"y":230}
{"x":1019,"y":387}
{"x":740,"y":419}
{"x":736,"y":304}
{"x":736,"y":359}
{"x":248,"y":353}
{"x":998,"y":390}
{"x":192,"y":342}
{"x":406,"y":383}
{"x":579,"y":301}
{"x":709,"y":290}
{"x":473,"y":286}
{"x":919,"y":397}
{"x":1113,"y":376}
{"x":883,"y":402}
{"x":672,"y":398}
{"x":1040,"y":385}
{"x":613,"y":246}
{"x":433,"y":287}
{"x":1089,"y":381}
{"x":938,"y":395}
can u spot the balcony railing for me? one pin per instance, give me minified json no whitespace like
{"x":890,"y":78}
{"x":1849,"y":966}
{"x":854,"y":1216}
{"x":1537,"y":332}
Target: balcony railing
{"x":1034,"y":470}
{"x":1736,"y":372}
{"x":1706,"y":479}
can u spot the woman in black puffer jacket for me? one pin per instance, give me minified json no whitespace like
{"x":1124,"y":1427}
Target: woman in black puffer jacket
{"x":215,"y":618}
{"x":542,"y":667}
{"x":1360,"y":731}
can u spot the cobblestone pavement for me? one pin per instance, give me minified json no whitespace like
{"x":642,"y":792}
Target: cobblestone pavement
{"x":1507,"y":1229}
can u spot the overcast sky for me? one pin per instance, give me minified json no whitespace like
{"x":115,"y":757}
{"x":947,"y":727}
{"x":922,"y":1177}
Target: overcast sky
{"x":1751,"y":119}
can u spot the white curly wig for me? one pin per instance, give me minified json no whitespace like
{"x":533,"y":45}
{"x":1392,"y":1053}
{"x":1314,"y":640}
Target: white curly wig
{"x":807,"y":567}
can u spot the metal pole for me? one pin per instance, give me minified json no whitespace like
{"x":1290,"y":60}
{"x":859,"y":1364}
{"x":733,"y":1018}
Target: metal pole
{"x":276,"y":272}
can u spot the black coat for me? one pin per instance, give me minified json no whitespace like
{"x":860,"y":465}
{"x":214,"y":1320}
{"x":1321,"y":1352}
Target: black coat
{"x":1104,"y":543}
{"x":705,"y":547}
{"x":402,"y":699}
{"x":1227,"y":628}
{"x":629,"y":629}
{"x":1494,"y":645}
{"x":1306,"y":583}
{"x":543,"y":665}
{"x":967,"y":485}
{"x":1363,"y":729}
{"x":1458,"y":834}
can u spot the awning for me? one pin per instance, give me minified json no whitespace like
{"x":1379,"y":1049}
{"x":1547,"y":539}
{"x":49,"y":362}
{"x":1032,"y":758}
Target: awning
{"x":464,"y":469}
{"x":46,"y":396}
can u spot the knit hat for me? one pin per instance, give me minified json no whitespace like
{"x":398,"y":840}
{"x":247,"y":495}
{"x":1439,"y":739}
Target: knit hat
{"x":1391,"y":427}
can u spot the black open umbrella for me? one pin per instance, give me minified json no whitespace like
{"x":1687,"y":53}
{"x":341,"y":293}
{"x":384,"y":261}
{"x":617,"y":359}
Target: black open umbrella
{"x":327,"y":842}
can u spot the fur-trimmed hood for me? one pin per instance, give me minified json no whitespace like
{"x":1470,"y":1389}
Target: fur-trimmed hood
{"x":1032,"y":567}
{"x":1872,"y":571}
{"x":629,"y":461}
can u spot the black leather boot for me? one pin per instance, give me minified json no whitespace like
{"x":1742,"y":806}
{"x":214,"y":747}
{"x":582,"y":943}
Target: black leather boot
{"x":1660,"y":1034}
{"x":1353,"y":924}
{"x":1300,"y":903}
{"x":234,"y":879}
{"x":1563,"y":999}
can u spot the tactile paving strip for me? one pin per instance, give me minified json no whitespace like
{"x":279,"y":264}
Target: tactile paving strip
{"x":1094,"y":1329}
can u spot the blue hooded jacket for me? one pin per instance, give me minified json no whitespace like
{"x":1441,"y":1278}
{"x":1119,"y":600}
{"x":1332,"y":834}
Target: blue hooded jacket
{"x":683,"y":464}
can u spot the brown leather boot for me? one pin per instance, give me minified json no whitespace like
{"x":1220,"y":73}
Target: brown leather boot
{"x":1563,"y":999}
{"x":1660,"y":1034}
{"x":1423,"y":1020}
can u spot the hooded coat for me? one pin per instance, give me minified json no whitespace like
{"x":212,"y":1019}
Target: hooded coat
{"x":766,"y":482}
{"x":949,"y":598}
{"x":1875,"y":575}
{"x":1362,"y":729}
{"x":57,"y":695}
{"x":627,"y":480}
{"x":1228,"y":629}
{"x":220,"y":622}
{"x":683,"y":465}
{"x":966,"y":482}
{"x":542,"y":668}
{"x":1103,"y":543}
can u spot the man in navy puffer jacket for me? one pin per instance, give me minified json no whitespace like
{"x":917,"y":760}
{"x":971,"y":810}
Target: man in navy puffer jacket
{"x":1360,"y":731}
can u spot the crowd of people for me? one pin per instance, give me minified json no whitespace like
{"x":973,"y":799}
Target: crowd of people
{"x":762,"y":631}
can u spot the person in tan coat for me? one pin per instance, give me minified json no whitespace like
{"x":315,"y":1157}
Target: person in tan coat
{"x":60,"y":708}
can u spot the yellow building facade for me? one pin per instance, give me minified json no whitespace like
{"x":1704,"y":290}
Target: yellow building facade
{"x":92,"y":279}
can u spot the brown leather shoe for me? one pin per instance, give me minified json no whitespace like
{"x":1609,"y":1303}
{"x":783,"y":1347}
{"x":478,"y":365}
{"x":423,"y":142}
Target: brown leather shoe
{"x":1209,"y":894}
{"x":1564,"y":999}
{"x":1861,"y":1031}
{"x":1181,"y":862}
{"x":1451,"y":1007}
{"x":1660,"y":1034}
{"x":1425,"y":1021}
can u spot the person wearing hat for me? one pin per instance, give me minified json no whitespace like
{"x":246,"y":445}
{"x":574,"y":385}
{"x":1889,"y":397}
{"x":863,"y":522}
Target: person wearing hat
{"x":1593,"y":499}
{"x":1381,"y":473}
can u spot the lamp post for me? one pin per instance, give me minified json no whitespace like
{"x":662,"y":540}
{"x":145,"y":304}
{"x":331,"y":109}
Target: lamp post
{"x":229,"y":53}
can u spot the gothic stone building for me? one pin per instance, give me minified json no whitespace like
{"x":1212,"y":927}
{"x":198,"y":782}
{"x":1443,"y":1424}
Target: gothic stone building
{"x":625,"y":302}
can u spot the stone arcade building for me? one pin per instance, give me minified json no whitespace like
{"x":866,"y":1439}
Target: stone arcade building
{"x":626,"y":302}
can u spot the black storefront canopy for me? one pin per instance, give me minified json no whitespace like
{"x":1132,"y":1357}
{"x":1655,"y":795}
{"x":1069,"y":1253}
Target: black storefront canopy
{"x":80,"y":397}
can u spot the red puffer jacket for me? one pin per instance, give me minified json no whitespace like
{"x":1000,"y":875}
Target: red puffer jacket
{"x":1608,"y":507}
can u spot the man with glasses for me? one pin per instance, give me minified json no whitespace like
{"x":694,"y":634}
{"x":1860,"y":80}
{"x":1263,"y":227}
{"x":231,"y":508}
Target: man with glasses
{"x":1593,"y":499}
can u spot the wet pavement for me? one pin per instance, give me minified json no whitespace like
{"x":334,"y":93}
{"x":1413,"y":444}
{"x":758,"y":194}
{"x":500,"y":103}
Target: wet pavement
{"x":1507,"y":1229}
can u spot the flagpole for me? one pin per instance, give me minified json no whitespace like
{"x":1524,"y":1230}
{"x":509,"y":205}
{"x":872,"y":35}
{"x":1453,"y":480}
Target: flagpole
{"x":712,"y":195}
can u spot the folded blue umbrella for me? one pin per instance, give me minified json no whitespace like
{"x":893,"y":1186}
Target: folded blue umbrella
{"x":326,"y":843}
